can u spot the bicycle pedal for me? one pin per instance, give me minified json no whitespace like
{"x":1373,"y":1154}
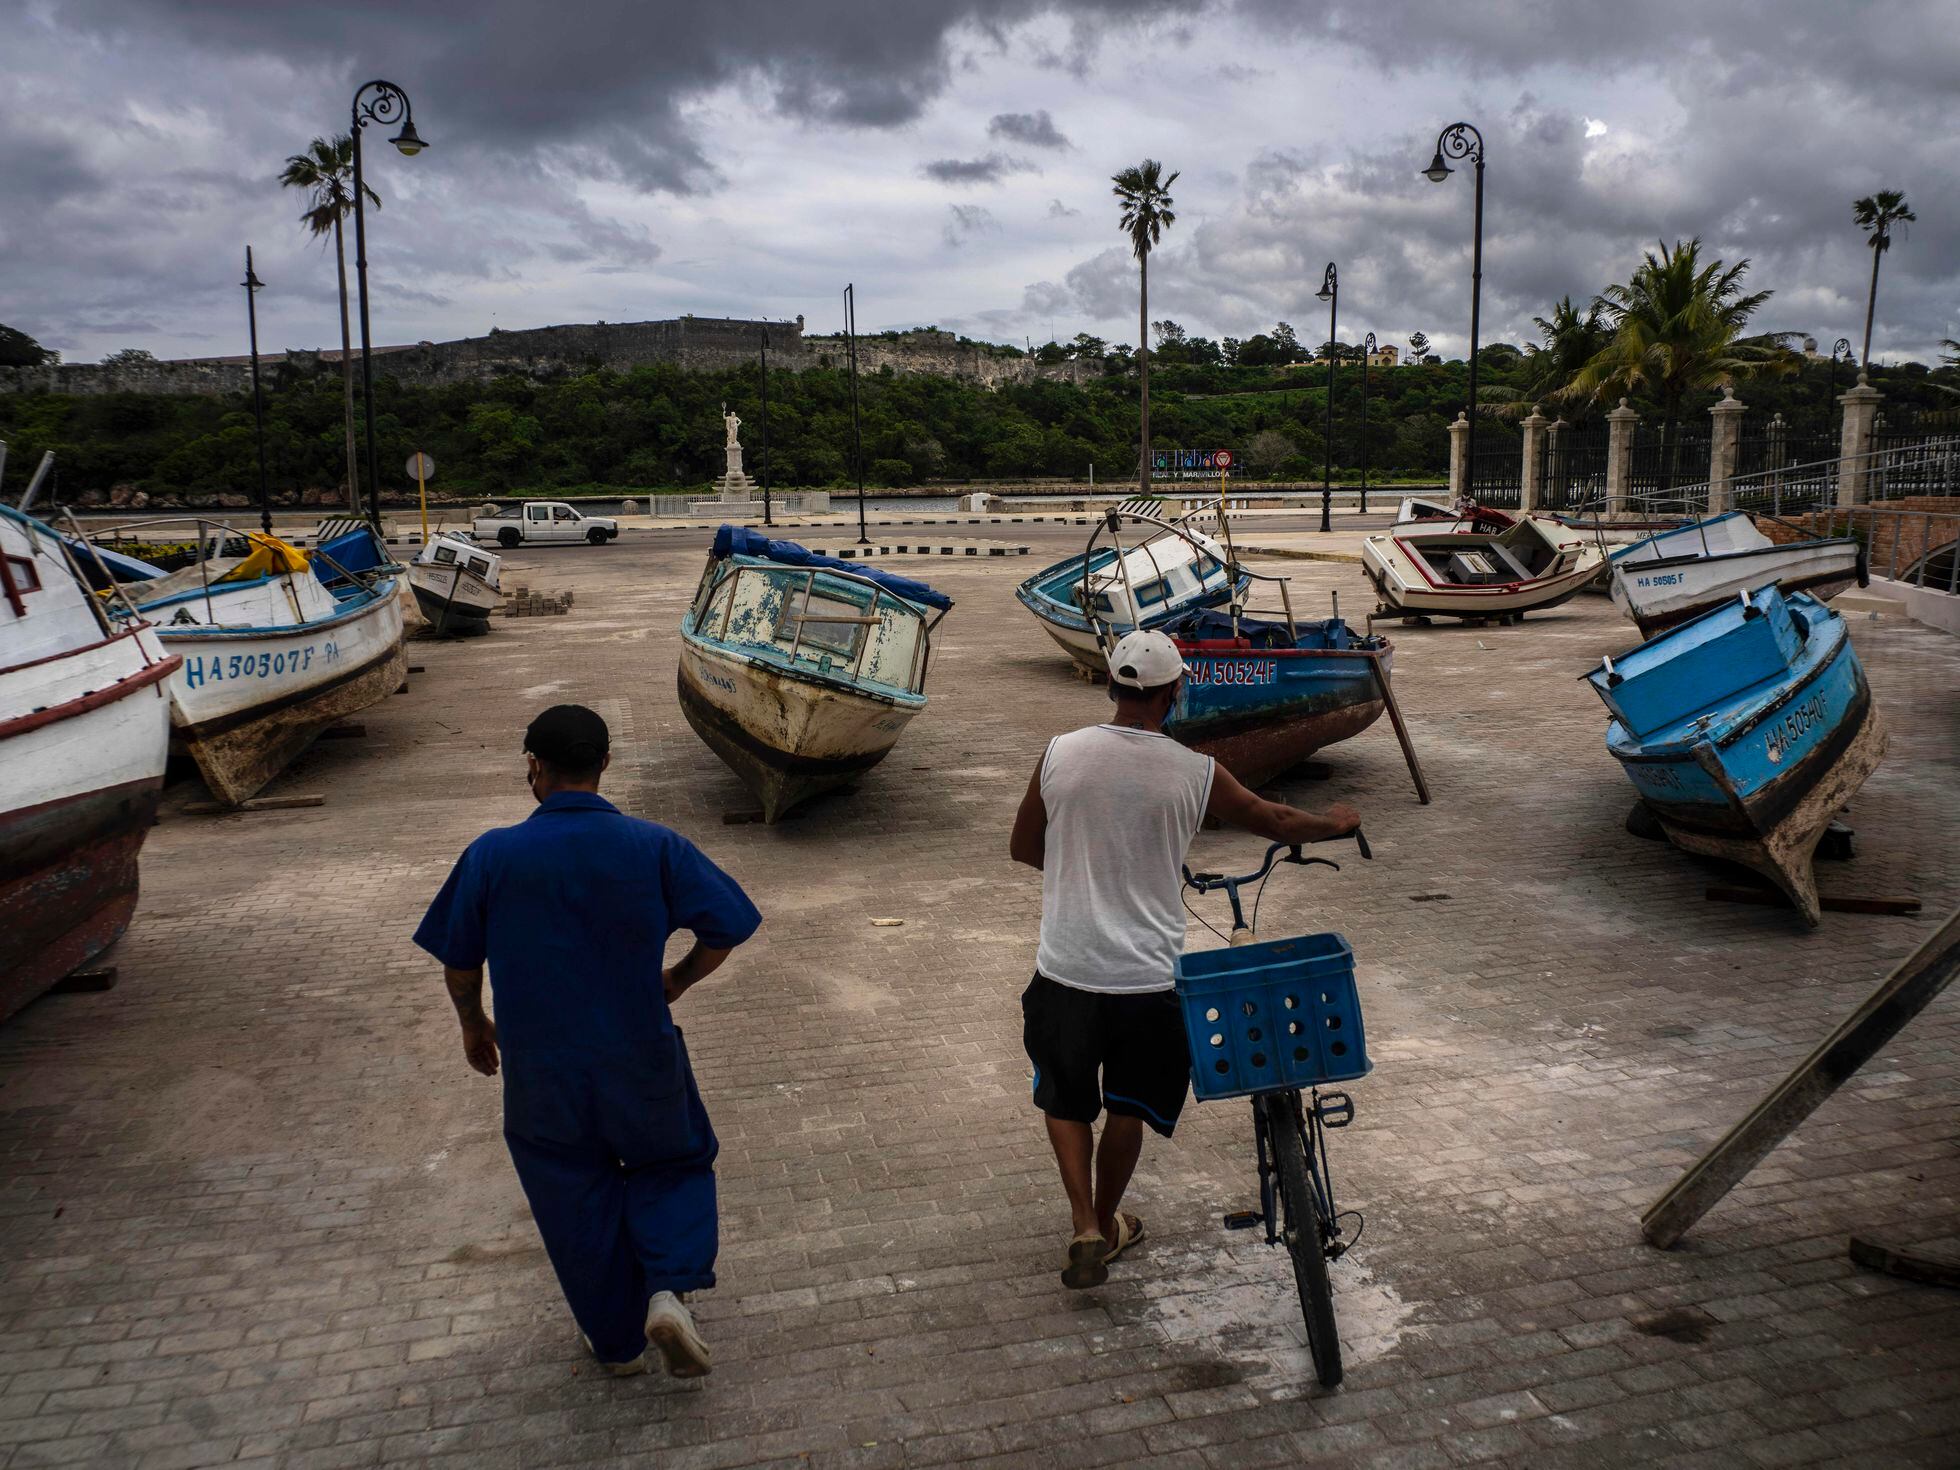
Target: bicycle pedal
{"x":1244,"y":1219}
{"x":1336,"y":1109}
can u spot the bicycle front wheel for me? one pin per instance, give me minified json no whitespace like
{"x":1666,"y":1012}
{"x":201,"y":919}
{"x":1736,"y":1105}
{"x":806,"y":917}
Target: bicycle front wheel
{"x":1305,"y":1232}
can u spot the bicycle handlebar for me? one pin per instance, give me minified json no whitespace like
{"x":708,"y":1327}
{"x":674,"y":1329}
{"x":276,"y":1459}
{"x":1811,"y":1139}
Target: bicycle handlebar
{"x":1206,"y":882}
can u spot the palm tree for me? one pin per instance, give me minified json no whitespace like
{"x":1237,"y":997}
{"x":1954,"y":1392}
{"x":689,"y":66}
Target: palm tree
{"x":1677,"y":329}
{"x":1877,"y":213}
{"x":1572,"y":338}
{"x":1146,"y":198}
{"x":326,"y":168}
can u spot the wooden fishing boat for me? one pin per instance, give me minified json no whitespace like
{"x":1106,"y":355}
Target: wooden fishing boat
{"x":1086,"y":602}
{"x":1476,"y":517}
{"x":84,"y":735}
{"x":1665,"y":579}
{"x":1459,"y":570}
{"x":455,"y":583}
{"x":1745,"y":730}
{"x":272,"y":653}
{"x":801,"y":671}
{"x":1262,"y":696}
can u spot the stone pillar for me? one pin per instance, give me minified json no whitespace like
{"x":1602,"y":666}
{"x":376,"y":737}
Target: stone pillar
{"x":1459,"y":446}
{"x":1619,"y":457}
{"x":1724,"y":449}
{"x":1534,"y":461}
{"x":1860,"y":406}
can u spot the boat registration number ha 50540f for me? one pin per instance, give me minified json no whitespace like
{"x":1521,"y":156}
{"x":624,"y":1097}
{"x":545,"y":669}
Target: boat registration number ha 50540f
{"x":1234,"y":671}
{"x":216,"y":668}
{"x":1795,"y":724}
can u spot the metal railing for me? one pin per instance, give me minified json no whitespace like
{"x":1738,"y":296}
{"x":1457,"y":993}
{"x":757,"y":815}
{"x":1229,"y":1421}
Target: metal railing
{"x":215,"y":538}
{"x":1921,"y":467}
{"x":1930,"y":560}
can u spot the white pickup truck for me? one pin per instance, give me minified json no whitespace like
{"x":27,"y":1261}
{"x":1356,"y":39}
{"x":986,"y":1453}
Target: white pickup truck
{"x":538,"y":522}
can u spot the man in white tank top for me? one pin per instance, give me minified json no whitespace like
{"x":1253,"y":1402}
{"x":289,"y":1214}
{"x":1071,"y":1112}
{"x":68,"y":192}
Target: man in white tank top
{"x":1107,"y":818}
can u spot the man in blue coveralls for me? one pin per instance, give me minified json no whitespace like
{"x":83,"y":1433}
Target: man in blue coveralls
{"x":572,"y":909}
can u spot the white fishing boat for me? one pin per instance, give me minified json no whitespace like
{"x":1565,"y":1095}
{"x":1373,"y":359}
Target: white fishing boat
{"x":275,"y":648}
{"x":801,"y":671}
{"x":1466,"y":568}
{"x":1665,"y":579}
{"x":1112,"y":590}
{"x":455,"y":583}
{"x":84,"y":735}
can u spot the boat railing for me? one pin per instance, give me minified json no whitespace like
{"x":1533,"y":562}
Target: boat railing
{"x":921,"y":652}
{"x":212,"y":536}
{"x":1177,"y":528}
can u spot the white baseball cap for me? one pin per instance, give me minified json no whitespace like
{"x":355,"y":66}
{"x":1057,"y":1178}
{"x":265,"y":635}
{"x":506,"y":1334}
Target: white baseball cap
{"x":1145,"y":659}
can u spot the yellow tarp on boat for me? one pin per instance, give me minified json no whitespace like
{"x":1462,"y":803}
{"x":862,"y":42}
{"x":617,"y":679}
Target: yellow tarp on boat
{"x":269,"y":555}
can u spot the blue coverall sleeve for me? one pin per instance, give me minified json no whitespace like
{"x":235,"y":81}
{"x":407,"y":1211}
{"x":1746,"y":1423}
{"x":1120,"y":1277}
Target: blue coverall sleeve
{"x":453,"y":928}
{"x":703,"y":899}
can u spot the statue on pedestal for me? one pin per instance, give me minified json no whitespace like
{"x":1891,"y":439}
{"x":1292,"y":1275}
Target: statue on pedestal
{"x":733,"y":445}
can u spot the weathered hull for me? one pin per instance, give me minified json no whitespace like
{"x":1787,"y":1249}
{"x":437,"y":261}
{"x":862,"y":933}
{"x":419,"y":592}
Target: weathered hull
{"x":1662,"y":596}
{"x":1822,"y":738}
{"x":1402,"y":585}
{"x":1261,"y":712}
{"x":786,"y":739}
{"x":246,"y":703}
{"x":1081,"y":646}
{"x":454,"y":603}
{"x":68,"y":883}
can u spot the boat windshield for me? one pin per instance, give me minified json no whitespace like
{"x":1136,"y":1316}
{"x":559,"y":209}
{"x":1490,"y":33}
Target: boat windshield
{"x":833,"y":623}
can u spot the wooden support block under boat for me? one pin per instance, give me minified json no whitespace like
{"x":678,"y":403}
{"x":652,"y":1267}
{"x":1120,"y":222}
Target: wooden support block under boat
{"x":1763,"y":893}
{"x":86,"y":982}
{"x":1931,"y":1268}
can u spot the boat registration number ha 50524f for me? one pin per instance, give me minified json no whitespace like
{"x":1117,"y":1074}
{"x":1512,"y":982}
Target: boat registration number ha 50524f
{"x":216,"y":668}
{"x":1796,"y":723}
{"x":1234,"y":671}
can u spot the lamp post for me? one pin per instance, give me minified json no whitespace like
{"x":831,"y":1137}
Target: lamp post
{"x":767,"y":520}
{"x":1368,"y":350}
{"x":1460,"y":140}
{"x":253,"y":285}
{"x":857,"y":432}
{"x":1330,"y":292}
{"x":388,"y":103}
{"x":1839,"y":348}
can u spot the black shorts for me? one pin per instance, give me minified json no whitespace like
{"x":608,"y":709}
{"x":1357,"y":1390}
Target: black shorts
{"x":1136,"y":1042}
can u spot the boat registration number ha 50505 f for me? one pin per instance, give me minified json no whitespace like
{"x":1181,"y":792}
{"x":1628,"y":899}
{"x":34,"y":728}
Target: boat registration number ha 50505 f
{"x":1796,"y":723}
{"x":216,"y":668}
{"x":1234,"y":671}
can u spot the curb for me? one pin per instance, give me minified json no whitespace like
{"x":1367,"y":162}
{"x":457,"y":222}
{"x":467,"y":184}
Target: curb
{"x":847,"y":553}
{"x":1289,"y":553}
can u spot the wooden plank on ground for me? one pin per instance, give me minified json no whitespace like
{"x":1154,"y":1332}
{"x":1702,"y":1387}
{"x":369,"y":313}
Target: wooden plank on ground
{"x":1775,"y":898}
{"x":1906,"y":992}
{"x":1935,"y":1268}
{"x":252,"y":804}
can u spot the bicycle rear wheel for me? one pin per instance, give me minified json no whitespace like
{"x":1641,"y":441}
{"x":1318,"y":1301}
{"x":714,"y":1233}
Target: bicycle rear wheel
{"x":1306,"y":1232}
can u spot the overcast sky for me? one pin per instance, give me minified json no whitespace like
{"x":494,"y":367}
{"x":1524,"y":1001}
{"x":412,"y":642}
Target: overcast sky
{"x":632,"y":159}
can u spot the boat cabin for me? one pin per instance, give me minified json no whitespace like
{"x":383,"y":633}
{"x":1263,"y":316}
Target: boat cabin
{"x":1521,"y":553}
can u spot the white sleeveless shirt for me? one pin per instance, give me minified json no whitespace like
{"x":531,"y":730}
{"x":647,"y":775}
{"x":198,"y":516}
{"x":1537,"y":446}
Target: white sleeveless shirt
{"x":1123,"y":806}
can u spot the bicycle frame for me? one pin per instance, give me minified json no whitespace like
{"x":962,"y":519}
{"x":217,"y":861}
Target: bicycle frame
{"x":1313,"y":1122}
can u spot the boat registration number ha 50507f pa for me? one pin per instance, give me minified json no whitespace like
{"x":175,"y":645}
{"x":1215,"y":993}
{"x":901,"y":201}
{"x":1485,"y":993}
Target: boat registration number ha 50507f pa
{"x":216,"y":668}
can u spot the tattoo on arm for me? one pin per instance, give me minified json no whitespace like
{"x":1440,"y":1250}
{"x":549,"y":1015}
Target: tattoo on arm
{"x":465,"y":992}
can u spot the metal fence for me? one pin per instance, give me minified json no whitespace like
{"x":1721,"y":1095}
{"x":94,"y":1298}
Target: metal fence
{"x":1572,"y":470}
{"x":1667,"y":455}
{"x":1911,"y":462}
{"x":1497,"y":473}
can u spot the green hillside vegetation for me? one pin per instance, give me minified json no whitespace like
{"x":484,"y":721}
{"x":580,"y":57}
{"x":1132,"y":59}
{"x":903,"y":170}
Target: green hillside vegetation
{"x":659,"y":429}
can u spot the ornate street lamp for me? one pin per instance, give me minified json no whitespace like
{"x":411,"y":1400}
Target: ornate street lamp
{"x":1839,"y":348}
{"x":1368,"y":350}
{"x":1460,"y":140}
{"x":388,"y":103}
{"x":857,"y":431}
{"x":253,"y":285}
{"x":1330,"y":292}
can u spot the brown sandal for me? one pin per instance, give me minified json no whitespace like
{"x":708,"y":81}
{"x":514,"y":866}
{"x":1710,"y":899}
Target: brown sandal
{"x":1086,"y":1257}
{"x":1129,"y":1231}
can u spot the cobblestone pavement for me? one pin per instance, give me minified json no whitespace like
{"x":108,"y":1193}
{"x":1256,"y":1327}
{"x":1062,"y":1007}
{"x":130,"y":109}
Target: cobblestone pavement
{"x":255,"y":1209}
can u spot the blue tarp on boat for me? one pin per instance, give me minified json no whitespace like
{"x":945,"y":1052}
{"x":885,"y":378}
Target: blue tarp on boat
{"x":742,"y":541}
{"x":1208,"y":625}
{"x":359,"y":550}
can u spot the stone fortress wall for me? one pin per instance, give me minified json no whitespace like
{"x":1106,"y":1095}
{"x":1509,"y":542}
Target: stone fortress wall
{"x":696,"y":344}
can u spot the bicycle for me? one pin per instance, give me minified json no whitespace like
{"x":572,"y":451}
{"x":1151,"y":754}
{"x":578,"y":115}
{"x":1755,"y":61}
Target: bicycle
{"x":1307,"y":984}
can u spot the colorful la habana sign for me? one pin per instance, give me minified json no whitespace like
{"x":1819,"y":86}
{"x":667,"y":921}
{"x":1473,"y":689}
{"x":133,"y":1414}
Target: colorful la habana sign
{"x":1194,"y":464}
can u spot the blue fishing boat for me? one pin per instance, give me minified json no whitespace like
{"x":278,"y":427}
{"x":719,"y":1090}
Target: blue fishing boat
{"x":1745,"y":730}
{"x":1089,"y":601}
{"x":1262,"y":696}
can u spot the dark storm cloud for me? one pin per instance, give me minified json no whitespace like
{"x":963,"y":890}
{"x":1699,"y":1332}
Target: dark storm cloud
{"x":989,"y":170}
{"x":1030,"y":129}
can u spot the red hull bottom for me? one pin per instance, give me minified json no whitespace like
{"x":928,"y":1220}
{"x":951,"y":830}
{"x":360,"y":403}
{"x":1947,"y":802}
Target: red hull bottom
{"x":67,"y":884}
{"x":1259,"y":754}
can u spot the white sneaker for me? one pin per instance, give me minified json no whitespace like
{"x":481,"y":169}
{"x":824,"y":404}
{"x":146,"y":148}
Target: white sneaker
{"x":670,"y":1328}
{"x":618,"y":1370}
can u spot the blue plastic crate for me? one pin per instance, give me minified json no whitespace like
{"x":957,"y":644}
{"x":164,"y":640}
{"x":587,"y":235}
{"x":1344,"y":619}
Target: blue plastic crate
{"x":1283,"y":1013}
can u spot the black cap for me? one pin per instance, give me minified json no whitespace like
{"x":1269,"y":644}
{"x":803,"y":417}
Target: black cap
{"x":569,"y":736}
